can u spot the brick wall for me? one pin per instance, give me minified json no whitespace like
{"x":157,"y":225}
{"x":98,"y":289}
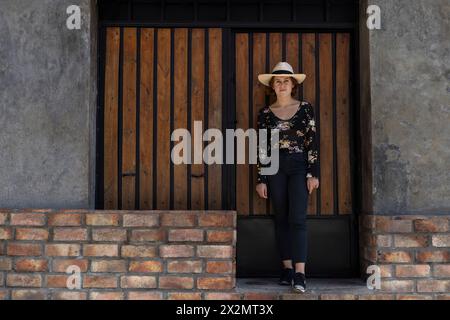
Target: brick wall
{"x":121,"y":254}
{"x":413,"y":253}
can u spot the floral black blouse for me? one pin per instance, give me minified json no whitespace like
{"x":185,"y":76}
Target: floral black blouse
{"x":298,"y":134}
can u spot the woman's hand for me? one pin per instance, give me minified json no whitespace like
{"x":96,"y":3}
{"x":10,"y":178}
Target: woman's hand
{"x":261,"y":188}
{"x":312,"y":183}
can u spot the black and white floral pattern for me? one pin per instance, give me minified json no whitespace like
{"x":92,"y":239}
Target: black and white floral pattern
{"x":298,"y":134}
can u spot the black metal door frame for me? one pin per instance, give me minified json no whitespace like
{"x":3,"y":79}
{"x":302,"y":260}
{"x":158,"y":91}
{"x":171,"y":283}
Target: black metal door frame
{"x":230,"y":28}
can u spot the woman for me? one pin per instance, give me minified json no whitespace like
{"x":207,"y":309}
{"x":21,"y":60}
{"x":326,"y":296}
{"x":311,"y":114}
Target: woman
{"x":298,"y":169}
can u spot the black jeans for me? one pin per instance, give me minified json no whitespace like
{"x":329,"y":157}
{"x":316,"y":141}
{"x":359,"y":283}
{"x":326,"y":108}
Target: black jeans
{"x":288,"y":193}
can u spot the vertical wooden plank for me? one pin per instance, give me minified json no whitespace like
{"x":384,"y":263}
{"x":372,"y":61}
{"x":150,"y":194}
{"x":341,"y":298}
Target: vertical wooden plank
{"x":215,"y":113}
{"x":259,"y":66}
{"x":309,"y":85}
{"x":146,"y":120}
{"x":242,"y":101}
{"x":197,"y":113}
{"x":292,"y":53}
{"x":163,"y":125}
{"x":181,"y":111}
{"x":111,"y":118}
{"x":326,"y":125}
{"x":275,"y":52}
{"x":343,"y":122}
{"x":129,"y":119}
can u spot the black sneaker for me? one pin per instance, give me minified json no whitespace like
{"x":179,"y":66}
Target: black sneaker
{"x":287,"y":276}
{"x":299,"y":283}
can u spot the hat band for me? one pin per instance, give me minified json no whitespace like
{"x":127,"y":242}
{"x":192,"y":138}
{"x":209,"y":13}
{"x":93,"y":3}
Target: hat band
{"x":282,"y":72}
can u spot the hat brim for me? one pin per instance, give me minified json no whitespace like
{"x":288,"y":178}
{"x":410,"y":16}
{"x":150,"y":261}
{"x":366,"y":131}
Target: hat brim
{"x":265,"y":77}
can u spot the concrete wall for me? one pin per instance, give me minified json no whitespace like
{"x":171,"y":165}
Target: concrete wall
{"x":410,"y":102}
{"x":47,"y":105}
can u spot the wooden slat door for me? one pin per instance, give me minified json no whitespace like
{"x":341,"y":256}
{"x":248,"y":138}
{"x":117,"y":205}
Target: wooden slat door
{"x":325,"y":59}
{"x":157,"y":80}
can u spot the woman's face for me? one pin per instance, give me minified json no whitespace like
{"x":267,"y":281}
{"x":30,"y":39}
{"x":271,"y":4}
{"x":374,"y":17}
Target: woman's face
{"x":282,"y":86}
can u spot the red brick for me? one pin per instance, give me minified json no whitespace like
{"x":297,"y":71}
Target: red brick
{"x":395,"y":257}
{"x":5,"y":233}
{"x":215,"y":251}
{"x":216,"y":283}
{"x":413,"y":297}
{"x":337,"y":296}
{"x":186,"y":235}
{"x":433,"y":286}
{"x":184,"y":296}
{"x":64,"y":219}
{"x":61,"y":265}
{"x":148,"y":235}
{"x":146,"y":266}
{"x":386,"y":271}
{"x":422,"y":270}
{"x":260,"y":296}
{"x":57,"y":281}
{"x":216,"y":220}
{"x":69,"y":295}
{"x":441,"y":240}
{"x":100,"y":250}
{"x":106,"y":296}
{"x":108,"y":266}
{"x":3,"y":218}
{"x":221,"y":236}
{"x":376,"y":297}
{"x":5,"y":264}
{"x":23,"y":280}
{"x":370,"y":254}
{"x":168,"y":282}
{"x":99,"y":281}
{"x":397,"y":285}
{"x":179,"y":219}
{"x":418,"y":241}
{"x":109,"y":234}
{"x":63,"y":250}
{"x":31,"y":234}
{"x":176,"y":251}
{"x":28,"y":295}
{"x":433,"y":256}
{"x":141,"y":220}
{"x":147,"y":282}
{"x":222,"y":296}
{"x":441,"y":270}
{"x":24,"y":249}
{"x":219,"y":267}
{"x":102,"y":219}
{"x":70,"y":234}
{"x":431,"y":225}
{"x":27,"y":219}
{"x":184,"y":266}
{"x":390,"y":225}
{"x":138,"y":251}
{"x":31,"y":265}
{"x":144,"y":295}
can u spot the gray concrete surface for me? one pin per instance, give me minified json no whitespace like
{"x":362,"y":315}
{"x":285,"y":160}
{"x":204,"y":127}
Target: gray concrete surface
{"x":47,"y":104}
{"x":410,"y":101}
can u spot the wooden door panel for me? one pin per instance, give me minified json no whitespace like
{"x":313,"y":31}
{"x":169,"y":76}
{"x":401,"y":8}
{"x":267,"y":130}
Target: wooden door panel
{"x":157,"y":80}
{"x":325,"y":59}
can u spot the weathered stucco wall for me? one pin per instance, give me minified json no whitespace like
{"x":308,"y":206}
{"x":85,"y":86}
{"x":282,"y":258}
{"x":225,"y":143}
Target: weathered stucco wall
{"x":47,"y":104}
{"x":410,"y":102}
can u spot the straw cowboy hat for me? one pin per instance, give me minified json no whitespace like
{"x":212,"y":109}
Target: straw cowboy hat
{"x":281,"y":69}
